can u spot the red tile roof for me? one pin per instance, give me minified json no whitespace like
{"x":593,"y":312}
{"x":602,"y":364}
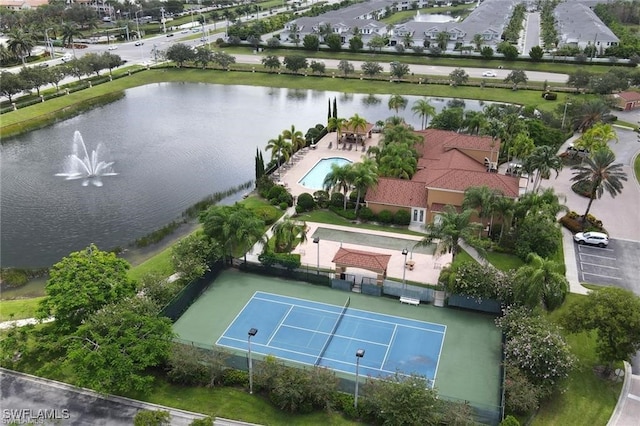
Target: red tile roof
{"x":460,"y":180}
{"x":629,"y":96}
{"x":398,"y":192}
{"x":362,"y":259}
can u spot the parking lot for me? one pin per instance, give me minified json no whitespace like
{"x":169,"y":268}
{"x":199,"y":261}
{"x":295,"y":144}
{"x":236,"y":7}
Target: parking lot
{"x":616,"y":264}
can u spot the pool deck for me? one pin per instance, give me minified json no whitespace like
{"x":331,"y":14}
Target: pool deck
{"x":426,"y":269}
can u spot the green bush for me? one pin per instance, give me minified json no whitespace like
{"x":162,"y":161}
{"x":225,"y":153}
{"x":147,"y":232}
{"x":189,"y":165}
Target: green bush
{"x":267,"y":213}
{"x":287,"y":260}
{"x":207,"y":421}
{"x":365,"y":213}
{"x":537,"y":234}
{"x":337,"y":199}
{"x":344,"y":402}
{"x":549,"y":96}
{"x":353,"y":196}
{"x":283,"y":206}
{"x":14,"y":277}
{"x":347,"y":214}
{"x":231,"y":377}
{"x":152,"y":418}
{"x":510,"y":421}
{"x":276,"y":191}
{"x":322,"y":198}
{"x":299,"y":210}
{"x":402,"y":217}
{"x":306,"y":201}
{"x":385,"y":216}
{"x":286,"y":198}
{"x":264,"y":185}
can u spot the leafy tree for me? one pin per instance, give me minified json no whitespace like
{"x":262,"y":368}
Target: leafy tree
{"x":473,"y":122}
{"x":509,"y":51}
{"x":536,"y":53}
{"x":33,"y":78}
{"x":377,"y":42}
{"x":537,"y":233}
{"x":271,"y":61}
{"x":424,"y":109}
{"x":10,"y":84}
{"x":448,"y":229}
{"x":521,"y":147}
{"x":311,"y":42}
{"x":516,"y":77}
{"x":180,"y":53}
{"x":397,"y":102}
{"x":504,"y":209}
{"x":614,"y":313}
{"x":371,"y":68}
{"x":339,"y":180}
{"x":110,"y":61}
{"x":486,"y":52}
{"x":540,"y":281}
{"x":152,"y":418}
{"x":521,"y":396}
{"x":597,"y":138}
{"x":482,"y":199}
{"x":599,"y":173}
{"x":83,"y":283}
{"x":203,"y":56}
{"x":357,"y":124}
{"x":356,"y":44}
{"x":579,"y":79}
{"x":387,"y":400}
{"x":112,"y":350}
{"x":334,"y":42}
{"x":442,"y":39}
{"x":458,"y":76}
{"x":224,"y":60}
{"x":317,"y":67}
{"x":94,"y":62}
{"x":345,"y":67}
{"x":193,"y":255}
{"x":158,"y":289}
{"x":295,"y":63}
{"x":207,"y":421}
{"x":286,"y":233}
{"x":448,"y":119}
{"x":398,"y":69}
{"x":397,"y":160}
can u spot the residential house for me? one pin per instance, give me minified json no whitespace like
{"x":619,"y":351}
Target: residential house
{"x":449,"y":163}
{"x":579,"y":26}
{"x":627,"y":101}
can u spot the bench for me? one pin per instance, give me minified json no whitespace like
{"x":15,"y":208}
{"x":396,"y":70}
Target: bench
{"x":409,"y":300}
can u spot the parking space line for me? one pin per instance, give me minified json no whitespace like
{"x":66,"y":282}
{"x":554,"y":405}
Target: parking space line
{"x":597,"y":264}
{"x":595,"y":255}
{"x":594,"y":247}
{"x":598,"y":275}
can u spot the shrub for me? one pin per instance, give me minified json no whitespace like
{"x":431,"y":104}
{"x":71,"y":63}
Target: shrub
{"x":402,"y":217}
{"x":322,"y":198}
{"x":285,"y":198}
{"x":343,"y":402}
{"x":207,"y":421}
{"x":385,"y":216}
{"x":267,"y":213}
{"x":550,"y":96}
{"x":264,"y":185}
{"x":287,"y":260}
{"x":521,"y":396}
{"x":337,"y":199}
{"x":306,"y":202}
{"x":537,"y":234}
{"x":276,"y":191}
{"x":152,"y":418}
{"x":14,"y":277}
{"x":347,"y":214}
{"x":299,"y":210}
{"x":510,"y":421}
{"x":231,"y":377}
{"x":365,"y":213}
{"x":283,"y":206}
{"x":472,"y":279}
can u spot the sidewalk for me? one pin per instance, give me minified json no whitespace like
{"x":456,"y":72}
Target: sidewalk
{"x":627,"y":411}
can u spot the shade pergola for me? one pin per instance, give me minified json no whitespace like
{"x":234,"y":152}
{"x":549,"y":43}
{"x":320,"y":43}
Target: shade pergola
{"x":370,"y":261}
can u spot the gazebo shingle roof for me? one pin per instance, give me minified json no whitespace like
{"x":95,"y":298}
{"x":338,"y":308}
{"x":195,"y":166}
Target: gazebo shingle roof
{"x":362,"y":259}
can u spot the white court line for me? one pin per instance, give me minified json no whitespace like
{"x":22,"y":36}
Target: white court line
{"x":597,"y":264}
{"x":435,"y":372}
{"x":393,"y":335}
{"x":257,"y":345}
{"x":598,"y":275}
{"x":236,"y":317}
{"x":632,"y":396}
{"x":334,"y":335}
{"x":595,"y":255}
{"x":275,"y":331}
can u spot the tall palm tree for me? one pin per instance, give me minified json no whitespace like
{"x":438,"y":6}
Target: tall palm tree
{"x":589,"y":113}
{"x":356,"y":123}
{"x":69,"y":32}
{"x":600,"y":174}
{"x":20,"y":43}
{"x":295,"y":138}
{"x":400,"y":134}
{"x":540,"y":281}
{"x":365,"y":176}
{"x":448,"y":228}
{"x":337,"y":124}
{"x":473,"y":122}
{"x":424,"y":110}
{"x":544,"y":160}
{"x":398,"y":161}
{"x":286,"y":231}
{"x":545,"y":203}
{"x":279,"y":147}
{"x":504,"y":209}
{"x":478,"y":41}
{"x":339,"y":179}
{"x":483,"y":199}
{"x":397,"y":102}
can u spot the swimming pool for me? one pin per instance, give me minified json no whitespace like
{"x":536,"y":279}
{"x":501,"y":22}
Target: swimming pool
{"x":315,"y":177}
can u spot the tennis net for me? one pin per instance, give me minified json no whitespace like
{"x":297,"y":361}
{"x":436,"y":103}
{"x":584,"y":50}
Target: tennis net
{"x":333,"y":332}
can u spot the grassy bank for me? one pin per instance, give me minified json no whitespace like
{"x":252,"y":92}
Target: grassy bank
{"x":19,"y":308}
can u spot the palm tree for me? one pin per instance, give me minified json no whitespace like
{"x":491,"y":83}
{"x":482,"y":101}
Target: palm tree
{"x":295,"y":138}
{"x":20,"y":43}
{"x":397,"y":102}
{"x":543,"y":159}
{"x":540,"y":281}
{"x":398,"y":161}
{"x":448,"y":228}
{"x":337,"y":124}
{"x":504,"y":208}
{"x":69,"y":32}
{"x":544,"y":203}
{"x":424,"y":109}
{"x":478,"y":41}
{"x":599,"y":174}
{"x":443,"y":40}
{"x":339,"y":179}
{"x":279,"y":148}
{"x":395,"y":134}
{"x":365,"y":176}
{"x":589,"y":113}
{"x":356,"y":123}
{"x":474,"y":121}
{"x":286,"y":231}
{"x":483,"y":199}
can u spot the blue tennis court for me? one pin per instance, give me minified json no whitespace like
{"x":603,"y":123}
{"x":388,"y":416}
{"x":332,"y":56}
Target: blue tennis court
{"x":316,"y":333}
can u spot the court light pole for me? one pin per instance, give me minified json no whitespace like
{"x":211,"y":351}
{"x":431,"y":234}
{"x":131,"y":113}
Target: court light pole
{"x":404,"y":270}
{"x":252,"y":332}
{"x":359,"y":354}
{"x":316,"y":240}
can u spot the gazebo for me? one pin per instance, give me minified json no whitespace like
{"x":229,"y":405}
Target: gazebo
{"x":370,"y":261}
{"x":352,"y":136}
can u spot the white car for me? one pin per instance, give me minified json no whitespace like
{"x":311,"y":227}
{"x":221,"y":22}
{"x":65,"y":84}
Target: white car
{"x":599,"y":239}
{"x":138,"y":43}
{"x":112,"y":47}
{"x":67,"y":57}
{"x":489,"y":74}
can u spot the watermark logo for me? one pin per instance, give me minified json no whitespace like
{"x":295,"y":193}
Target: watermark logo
{"x":31,"y":416}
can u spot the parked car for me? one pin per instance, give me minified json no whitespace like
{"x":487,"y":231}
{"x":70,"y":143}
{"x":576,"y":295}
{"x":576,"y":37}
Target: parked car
{"x":67,"y":57}
{"x":579,"y":152}
{"x":599,"y":239}
{"x":489,"y":74}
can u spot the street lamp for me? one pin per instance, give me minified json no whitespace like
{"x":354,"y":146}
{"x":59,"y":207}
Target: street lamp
{"x":49,"y":42}
{"x":564,"y":115}
{"x":404,"y":270}
{"x":316,"y":240}
{"x":252,"y":332}
{"x":359,"y":354}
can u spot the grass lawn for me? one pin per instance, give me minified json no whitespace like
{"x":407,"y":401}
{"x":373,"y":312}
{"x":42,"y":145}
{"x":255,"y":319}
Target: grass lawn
{"x":233,"y":403}
{"x":636,"y":167}
{"x":588,"y":399}
{"x":159,"y":264}
{"x":504,"y":261}
{"x":19,"y":308}
{"x":327,"y":216}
